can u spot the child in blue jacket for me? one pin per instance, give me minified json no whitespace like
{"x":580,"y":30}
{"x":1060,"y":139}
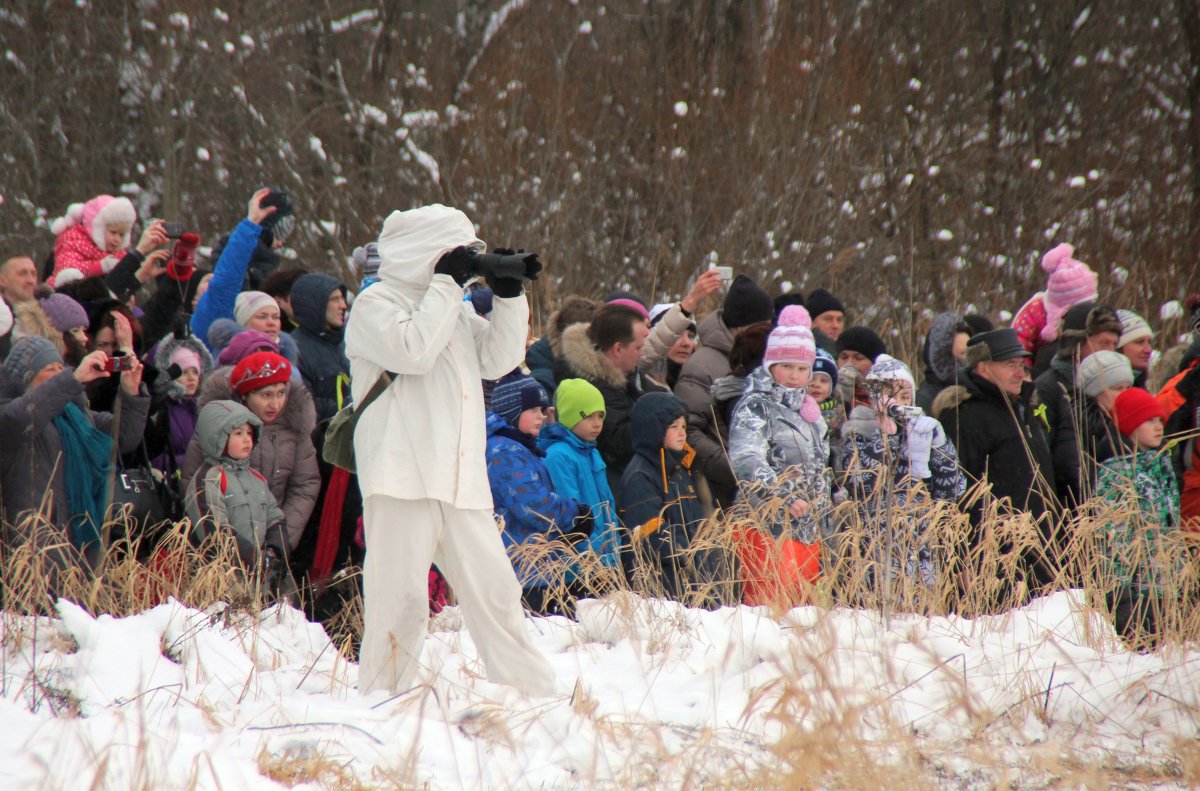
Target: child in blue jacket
{"x":523,"y":493}
{"x":575,"y":464}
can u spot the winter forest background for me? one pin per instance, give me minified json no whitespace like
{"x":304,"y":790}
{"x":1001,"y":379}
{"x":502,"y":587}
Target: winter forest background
{"x":905,"y":153}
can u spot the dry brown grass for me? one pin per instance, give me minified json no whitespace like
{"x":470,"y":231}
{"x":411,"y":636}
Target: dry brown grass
{"x":823,"y":738}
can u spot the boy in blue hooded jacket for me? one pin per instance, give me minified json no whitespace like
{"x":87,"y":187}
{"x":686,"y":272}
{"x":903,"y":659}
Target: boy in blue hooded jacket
{"x":575,"y":464}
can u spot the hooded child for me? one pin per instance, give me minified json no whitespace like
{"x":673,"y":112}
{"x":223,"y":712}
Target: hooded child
{"x":889,"y":450}
{"x":526,"y":503}
{"x":226,"y":496}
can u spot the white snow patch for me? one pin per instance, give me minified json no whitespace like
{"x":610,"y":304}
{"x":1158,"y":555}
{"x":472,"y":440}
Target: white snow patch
{"x":317,"y":147}
{"x":1076,"y":182}
{"x":1171,"y":310}
{"x":585,"y":27}
{"x":202,"y":154}
{"x":681,"y":109}
{"x":944,"y":235}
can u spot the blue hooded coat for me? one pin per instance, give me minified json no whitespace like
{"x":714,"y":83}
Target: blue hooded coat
{"x":579,"y":472}
{"x":323,"y":364}
{"x":523,"y":493}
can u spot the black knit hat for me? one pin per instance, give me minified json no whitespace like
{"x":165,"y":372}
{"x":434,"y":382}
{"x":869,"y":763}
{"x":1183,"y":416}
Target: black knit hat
{"x":863,"y":340}
{"x":821,"y":301}
{"x":979,"y":323}
{"x":783,"y":300}
{"x":746,"y":303}
{"x":1075,"y":319}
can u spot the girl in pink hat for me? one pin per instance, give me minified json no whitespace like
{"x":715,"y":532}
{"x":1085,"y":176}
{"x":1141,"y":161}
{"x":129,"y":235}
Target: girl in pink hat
{"x":94,"y":236}
{"x":1070,"y":283}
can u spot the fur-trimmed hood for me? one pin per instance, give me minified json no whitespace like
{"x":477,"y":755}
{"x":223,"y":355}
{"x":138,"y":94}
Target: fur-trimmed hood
{"x":299,"y":414}
{"x":588,"y":362}
{"x":950,"y":398}
{"x":164,"y":385}
{"x":939,"y":348}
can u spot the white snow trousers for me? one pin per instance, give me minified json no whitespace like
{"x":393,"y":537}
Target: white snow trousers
{"x":403,"y":538}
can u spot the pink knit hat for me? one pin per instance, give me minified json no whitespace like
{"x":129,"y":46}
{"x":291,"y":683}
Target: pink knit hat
{"x":186,"y":358}
{"x":1070,"y":283}
{"x":791,"y":341}
{"x":103,"y":211}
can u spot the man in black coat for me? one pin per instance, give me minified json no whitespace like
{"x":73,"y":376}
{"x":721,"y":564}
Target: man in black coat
{"x":1001,"y":439}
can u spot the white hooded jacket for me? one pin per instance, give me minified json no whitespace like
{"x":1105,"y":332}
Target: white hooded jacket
{"x":425,"y":438}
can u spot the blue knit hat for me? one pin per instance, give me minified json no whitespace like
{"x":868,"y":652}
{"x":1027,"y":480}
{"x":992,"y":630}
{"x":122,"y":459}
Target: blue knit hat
{"x":28,"y":356}
{"x":513,"y":397}
{"x":825,"y":364}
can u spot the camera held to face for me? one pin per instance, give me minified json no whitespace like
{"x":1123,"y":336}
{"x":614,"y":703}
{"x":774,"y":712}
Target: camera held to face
{"x":903,"y":412}
{"x":123,"y":362}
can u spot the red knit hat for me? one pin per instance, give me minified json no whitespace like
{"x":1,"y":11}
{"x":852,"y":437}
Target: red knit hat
{"x":259,"y":370}
{"x":1133,"y":407}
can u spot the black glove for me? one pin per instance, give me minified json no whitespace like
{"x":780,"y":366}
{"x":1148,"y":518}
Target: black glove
{"x":581,"y":529}
{"x":274,"y":571}
{"x":459,"y":264}
{"x":508,"y":287}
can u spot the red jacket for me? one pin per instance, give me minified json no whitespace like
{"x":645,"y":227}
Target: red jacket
{"x":1189,"y":489}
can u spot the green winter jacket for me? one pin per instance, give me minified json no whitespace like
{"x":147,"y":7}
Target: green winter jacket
{"x":1140,"y":548}
{"x":225,"y":494}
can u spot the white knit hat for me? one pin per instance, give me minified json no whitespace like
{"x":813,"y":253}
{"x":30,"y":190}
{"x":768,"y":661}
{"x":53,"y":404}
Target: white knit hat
{"x":1133,"y":328}
{"x":250,"y":302}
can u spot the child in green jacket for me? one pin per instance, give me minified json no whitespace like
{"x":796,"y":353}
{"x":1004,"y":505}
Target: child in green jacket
{"x":1142,"y":558}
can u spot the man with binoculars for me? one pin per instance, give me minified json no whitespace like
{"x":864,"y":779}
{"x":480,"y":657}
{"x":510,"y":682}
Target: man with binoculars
{"x":419,"y":447}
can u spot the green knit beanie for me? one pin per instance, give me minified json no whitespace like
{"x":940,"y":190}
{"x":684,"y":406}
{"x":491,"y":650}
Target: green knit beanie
{"x":576,"y":399}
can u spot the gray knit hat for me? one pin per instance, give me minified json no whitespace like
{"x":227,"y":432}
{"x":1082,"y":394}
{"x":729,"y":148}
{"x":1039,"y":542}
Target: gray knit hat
{"x":28,"y":356}
{"x":1102,"y":370}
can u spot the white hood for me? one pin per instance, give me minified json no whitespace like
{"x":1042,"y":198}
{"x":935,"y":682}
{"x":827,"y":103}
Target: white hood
{"x":412,"y":242}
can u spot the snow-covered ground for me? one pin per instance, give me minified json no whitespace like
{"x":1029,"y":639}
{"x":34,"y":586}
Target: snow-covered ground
{"x":653,"y":695}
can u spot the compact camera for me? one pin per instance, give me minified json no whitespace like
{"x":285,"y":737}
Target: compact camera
{"x":123,"y":362}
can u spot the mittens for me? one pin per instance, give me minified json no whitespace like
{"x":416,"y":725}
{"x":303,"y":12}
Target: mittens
{"x":924,"y":434}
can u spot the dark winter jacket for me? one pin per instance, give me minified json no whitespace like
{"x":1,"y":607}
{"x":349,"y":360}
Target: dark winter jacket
{"x":938,"y":354}
{"x":1099,"y":441}
{"x":323,"y":364}
{"x":658,"y":485}
{"x":539,"y":359}
{"x":709,"y":363}
{"x":523,"y":493}
{"x":1058,"y":405}
{"x":284,"y":452}
{"x":1000,"y":440}
{"x":582,"y":360}
{"x":31,"y":465}
{"x":228,"y":495}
